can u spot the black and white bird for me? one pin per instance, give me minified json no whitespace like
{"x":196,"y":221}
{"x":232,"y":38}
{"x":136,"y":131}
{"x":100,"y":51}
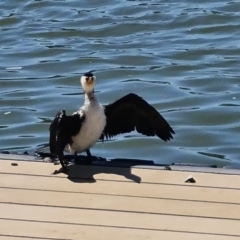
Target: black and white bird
{"x":80,"y":131}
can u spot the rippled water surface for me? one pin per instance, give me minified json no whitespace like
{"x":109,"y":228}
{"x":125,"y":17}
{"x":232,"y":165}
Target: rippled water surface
{"x":183,"y":57}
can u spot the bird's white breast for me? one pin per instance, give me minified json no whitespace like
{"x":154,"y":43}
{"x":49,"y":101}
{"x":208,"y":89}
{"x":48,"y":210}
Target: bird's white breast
{"x":91,"y":129}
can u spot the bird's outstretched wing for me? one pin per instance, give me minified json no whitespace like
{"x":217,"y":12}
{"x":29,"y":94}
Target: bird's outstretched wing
{"x":132,"y":112}
{"x":62,"y":129}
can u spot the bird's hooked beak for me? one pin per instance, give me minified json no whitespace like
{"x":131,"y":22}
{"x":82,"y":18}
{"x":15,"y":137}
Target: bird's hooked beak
{"x":89,"y":80}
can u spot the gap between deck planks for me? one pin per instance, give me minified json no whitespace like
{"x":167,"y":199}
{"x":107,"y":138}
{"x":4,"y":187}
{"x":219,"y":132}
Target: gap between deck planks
{"x":121,"y":203}
{"x":58,"y":231}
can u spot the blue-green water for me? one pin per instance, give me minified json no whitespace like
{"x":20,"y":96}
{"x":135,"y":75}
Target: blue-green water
{"x":182,"y":57}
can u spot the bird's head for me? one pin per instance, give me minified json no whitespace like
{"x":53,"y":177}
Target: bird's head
{"x":88,"y":82}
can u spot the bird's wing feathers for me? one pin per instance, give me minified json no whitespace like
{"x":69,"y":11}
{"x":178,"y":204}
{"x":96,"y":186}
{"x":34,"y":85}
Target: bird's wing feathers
{"x":62,"y":129}
{"x":132,"y":112}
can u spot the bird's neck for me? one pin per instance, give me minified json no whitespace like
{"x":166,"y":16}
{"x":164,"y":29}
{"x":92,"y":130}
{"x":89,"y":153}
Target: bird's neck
{"x":89,"y":96}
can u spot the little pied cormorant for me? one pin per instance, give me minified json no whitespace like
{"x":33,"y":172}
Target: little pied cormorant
{"x":80,"y":131}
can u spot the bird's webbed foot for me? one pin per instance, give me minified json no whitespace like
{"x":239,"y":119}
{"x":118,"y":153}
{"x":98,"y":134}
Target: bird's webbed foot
{"x":82,"y":159}
{"x":92,"y":158}
{"x":64,"y":163}
{"x":61,"y":170}
{"x":88,"y":160}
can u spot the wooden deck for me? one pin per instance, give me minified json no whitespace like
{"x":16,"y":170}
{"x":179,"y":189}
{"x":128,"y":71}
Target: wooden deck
{"x":116,"y":203}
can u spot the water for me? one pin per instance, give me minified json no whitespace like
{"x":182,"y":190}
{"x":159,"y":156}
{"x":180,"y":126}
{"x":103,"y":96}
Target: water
{"x":182,"y":57}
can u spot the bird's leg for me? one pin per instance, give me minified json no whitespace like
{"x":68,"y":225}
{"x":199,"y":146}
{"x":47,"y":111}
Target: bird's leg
{"x":92,"y":158}
{"x":62,"y":161}
{"x":89,"y":156}
{"x":88,"y":153}
{"x":83,"y":160}
{"x":64,"y":167}
{"x":76,"y":157}
{"x":88,"y":160}
{"x":60,"y":147}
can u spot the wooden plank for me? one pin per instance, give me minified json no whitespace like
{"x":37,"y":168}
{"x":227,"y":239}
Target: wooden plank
{"x":120,"y":203}
{"x":123,"y":174}
{"x":55,"y":231}
{"x":120,"y":219}
{"x":186,"y":192}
